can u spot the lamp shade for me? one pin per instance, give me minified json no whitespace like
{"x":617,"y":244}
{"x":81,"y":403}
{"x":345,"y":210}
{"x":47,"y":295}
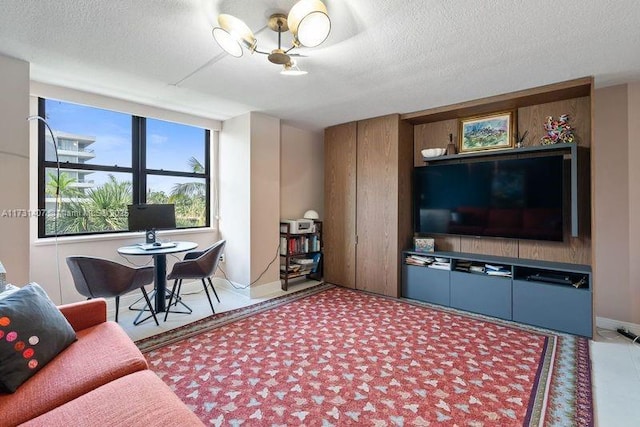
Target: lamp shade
{"x":232,"y":34}
{"x":292,"y":69}
{"x":311,"y":214}
{"x":227,"y":42}
{"x":309,"y":22}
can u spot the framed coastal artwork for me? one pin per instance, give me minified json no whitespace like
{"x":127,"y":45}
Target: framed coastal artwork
{"x":488,"y":132}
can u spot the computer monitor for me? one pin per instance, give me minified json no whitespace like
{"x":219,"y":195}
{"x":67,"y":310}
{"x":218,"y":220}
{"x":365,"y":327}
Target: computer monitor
{"x":151,"y":217}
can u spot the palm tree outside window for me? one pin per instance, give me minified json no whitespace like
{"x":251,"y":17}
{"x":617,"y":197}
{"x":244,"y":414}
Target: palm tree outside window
{"x":102,"y":173}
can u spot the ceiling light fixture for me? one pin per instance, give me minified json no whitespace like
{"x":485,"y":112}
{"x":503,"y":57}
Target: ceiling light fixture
{"x":308,"y":21}
{"x":292,"y":69}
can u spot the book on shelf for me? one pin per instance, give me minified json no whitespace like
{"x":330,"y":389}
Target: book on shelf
{"x":440,"y":265}
{"x":498,"y":273}
{"x":292,"y":268}
{"x":316,"y":260}
{"x":497,"y":270}
{"x":463,"y":265}
{"x":418,"y":260}
{"x":491,"y":267}
{"x":299,"y":244}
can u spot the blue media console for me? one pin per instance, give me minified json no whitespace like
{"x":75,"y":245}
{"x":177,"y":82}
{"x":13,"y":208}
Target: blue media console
{"x":551,"y":295}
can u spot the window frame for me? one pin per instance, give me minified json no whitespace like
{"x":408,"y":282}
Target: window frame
{"x":138,"y":170}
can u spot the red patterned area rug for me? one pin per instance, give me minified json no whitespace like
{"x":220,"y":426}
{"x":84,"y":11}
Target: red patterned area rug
{"x":332,"y":356}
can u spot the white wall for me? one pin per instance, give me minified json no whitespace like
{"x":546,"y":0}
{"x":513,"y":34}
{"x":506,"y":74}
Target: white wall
{"x":47,"y":264}
{"x":616,"y":181}
{"x":301,"y":172}
{"x":114,"y":104}
{"x":249,"y":200}
{"x":235,"y":197}
{"x":265,"y":201}
{"x":14,"y":168}
{"x":633,"y":99}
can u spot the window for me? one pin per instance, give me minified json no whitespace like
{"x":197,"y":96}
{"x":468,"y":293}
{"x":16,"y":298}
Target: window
{"x":109,"y":160}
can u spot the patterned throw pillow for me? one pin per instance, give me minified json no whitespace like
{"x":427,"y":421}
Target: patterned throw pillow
{"x":32,"y":332}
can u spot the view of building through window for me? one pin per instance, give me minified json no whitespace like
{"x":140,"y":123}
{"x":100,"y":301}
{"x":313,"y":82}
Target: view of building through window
{"x":104,"y":168}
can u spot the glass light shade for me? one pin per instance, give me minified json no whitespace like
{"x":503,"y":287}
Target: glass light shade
{"x":238,"y":30}
{"x":309,"y":22}
{"x":292,"y":69}
{"x":227,"y":42}
{"x":292,"y":72}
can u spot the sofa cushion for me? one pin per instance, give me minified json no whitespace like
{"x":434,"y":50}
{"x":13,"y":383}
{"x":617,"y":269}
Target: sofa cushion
{"x":32,"y":332}
{"x":8,"y":290}
{"x":139,"y":399}
{"x":101,"y":354}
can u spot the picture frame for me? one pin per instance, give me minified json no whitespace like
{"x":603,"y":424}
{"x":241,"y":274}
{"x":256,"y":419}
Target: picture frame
{"x":488,"y":132}
{"x":423,"y":244}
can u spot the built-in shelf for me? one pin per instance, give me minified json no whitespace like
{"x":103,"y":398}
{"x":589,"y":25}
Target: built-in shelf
{"x":538,"y":149}
{"x":548,"y":294}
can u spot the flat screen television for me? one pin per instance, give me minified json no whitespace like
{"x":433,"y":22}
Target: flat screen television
{"x":143,"y":217}
{"x":509,"y":198}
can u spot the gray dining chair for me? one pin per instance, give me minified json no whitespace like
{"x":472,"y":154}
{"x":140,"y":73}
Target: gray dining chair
{"x":101,"y":278}
{"x":196,"y":265}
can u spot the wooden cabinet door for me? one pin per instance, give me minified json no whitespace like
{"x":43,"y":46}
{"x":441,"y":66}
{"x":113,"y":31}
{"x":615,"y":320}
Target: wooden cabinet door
{"x":339,"y":228}
{"x":377,"y":262}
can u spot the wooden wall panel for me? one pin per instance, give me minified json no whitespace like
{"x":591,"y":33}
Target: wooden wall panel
{"x":574,"y":250}
{"x":377,"y":205}
{"x":339,"y":226}
{"x":532,"y":119}
{"x":498,"y":247}
{"x":447,"y":243}
{"x":433,"y":135}
{"x":405,"y":193}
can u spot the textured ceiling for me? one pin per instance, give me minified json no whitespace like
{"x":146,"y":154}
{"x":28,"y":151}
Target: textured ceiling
{"x":383,"y":56}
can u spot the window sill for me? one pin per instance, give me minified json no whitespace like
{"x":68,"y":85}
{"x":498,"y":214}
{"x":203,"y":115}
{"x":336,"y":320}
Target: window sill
{"x":127,"y":236}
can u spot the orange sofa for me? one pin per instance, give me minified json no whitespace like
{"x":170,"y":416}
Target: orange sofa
{"x":100,"y":379}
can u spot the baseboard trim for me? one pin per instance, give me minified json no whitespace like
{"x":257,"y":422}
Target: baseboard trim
{"x":234,"y":287}
{"x":612,"y":324}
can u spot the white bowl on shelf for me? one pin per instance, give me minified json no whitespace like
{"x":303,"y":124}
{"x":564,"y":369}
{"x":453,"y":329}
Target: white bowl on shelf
{"x":433,"y":152}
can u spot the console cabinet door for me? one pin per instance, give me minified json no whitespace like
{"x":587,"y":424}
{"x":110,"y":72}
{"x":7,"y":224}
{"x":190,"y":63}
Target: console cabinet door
{"x":426,"y":284}
{"x":563,"y":308}
{"x":488,"y":295}
{"x":339,"y":226}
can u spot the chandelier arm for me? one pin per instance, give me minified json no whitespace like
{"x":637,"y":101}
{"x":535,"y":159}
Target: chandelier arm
{"x":290,"y":49}
{"x":279,"y":34}
{"x":261,"y":52}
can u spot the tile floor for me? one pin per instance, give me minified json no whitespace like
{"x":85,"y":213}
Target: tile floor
{"x":615,"y":359}
{"x":197,"y":300}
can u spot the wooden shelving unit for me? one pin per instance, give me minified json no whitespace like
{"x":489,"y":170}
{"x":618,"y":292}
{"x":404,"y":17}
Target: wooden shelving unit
{"x":300,"y":254}
{"x":531,"y":106}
